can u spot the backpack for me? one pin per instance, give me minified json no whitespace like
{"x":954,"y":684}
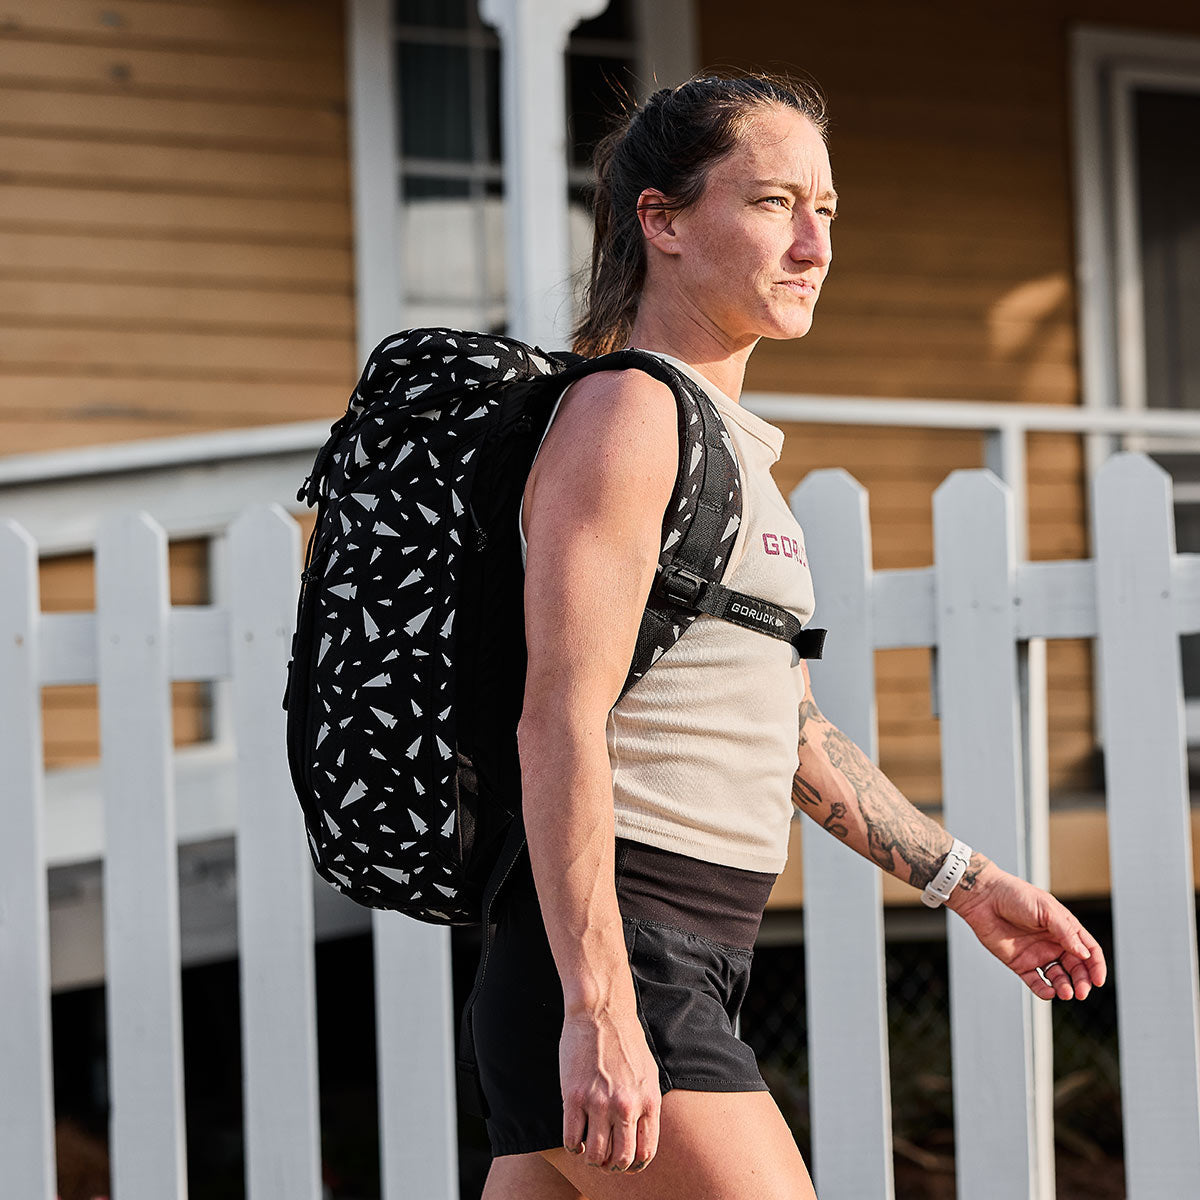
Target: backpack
{"x":408,"y":662}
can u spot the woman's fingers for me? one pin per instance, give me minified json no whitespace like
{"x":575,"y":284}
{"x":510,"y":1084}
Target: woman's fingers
{"x":1097,"y":968}
{"x":1076,"y":940}
{"x":1082,"y":961}
{"x":1038,"y":984}
{"x":574,"y":1127}
{"x":1060,"y":980}
{"x":647,"y":1140}
{"x":611,"y":1141}
{"x":598,"y":1141}
{"x":623,"y":1146}
{"x":1066,"y":978}
{"x":1081,"y":980}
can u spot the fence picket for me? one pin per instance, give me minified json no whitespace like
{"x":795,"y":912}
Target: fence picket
{"x":976,"y":605}
{"x":1149,"y":830}
{"x":141,"y":889}
{"x":26,"y":1091}
{"x":847,"y":1027}
{"x":997,"y":1141}
{"x":274,"y":876}
{"x":415,"y":1052}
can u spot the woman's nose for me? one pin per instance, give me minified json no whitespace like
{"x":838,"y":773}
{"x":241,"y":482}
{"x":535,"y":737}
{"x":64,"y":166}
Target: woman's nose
{"x":812,"y":241}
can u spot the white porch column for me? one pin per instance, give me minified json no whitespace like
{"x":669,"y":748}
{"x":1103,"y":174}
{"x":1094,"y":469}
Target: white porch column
{"x":371,"y":92}
{"x":533,"y":43}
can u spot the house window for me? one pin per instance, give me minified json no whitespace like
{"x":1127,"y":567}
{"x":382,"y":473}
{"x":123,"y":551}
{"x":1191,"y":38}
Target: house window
{"x":1137,"y":126}
{"x":451,"y":187}
{"x":1167,"y":155}
{"x":1167,"y":132}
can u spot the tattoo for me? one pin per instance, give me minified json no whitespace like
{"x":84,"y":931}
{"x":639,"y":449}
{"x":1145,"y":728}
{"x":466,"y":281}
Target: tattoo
{"x":803,"y":792}
{"x":971,"y":877}
{"x":894,"y":827}
{"x":833,"y":822}
{"x":808,"y":712}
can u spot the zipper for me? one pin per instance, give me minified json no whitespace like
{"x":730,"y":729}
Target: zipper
{"x":487,"y":911}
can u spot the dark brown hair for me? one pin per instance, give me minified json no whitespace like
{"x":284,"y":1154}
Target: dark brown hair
{"x":669,"y":144}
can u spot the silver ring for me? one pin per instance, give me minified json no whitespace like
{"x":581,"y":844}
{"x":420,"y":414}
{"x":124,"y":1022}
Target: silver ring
{"x":1041,"y":971}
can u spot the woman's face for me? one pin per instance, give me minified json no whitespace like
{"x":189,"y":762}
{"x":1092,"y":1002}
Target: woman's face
{"x":753,"y":251}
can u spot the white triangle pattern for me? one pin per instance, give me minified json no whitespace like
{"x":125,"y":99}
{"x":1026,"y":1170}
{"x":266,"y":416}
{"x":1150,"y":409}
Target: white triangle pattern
{"x":385,"y":585}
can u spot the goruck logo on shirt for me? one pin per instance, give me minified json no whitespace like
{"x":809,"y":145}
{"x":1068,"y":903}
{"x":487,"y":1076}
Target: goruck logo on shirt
{"x":782,"y":543}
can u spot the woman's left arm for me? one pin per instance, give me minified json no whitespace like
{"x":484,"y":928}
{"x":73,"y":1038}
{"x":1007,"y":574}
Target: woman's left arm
{"x":841,"y":789}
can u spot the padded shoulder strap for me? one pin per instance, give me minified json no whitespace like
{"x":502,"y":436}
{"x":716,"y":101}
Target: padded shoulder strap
{"x":700,"y":526}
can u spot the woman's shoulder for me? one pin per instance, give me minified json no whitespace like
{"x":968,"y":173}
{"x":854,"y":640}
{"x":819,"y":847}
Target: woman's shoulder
{"x":627,"y":390}
{"x":613,"y":429}
{"x":617,"y":407}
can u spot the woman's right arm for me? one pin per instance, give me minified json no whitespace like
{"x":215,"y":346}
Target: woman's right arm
{"x":593,"y":514}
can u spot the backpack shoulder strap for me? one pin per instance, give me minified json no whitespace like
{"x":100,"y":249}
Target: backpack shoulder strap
{"x":699,"y":527}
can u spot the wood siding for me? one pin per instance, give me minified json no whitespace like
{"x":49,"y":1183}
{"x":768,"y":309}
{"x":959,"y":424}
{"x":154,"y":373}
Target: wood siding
{"x":176,"y":253}
{"x":175,"y":218}
{"x":953,"y":277}
{"x":175,"y":246}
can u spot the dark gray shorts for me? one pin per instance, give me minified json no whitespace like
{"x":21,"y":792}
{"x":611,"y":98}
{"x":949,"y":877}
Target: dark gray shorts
{"x":689,"y":932}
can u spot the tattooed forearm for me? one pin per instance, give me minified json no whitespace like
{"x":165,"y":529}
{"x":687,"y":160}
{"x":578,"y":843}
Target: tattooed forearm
{"x":893,"y":825}
{"x":839,"y":786}
{"x":846,"y":793}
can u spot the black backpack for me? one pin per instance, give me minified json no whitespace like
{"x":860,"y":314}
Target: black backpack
{"x":408,"y":665}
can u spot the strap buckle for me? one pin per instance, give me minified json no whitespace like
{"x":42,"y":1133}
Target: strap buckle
{"x":681,"y":586}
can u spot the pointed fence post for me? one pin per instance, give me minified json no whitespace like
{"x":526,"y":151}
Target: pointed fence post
{"x":843,"y":914}
{"x":274,"y":877}
{"x":1149,"y":829}
{"x":26,"y":1091}
{"x":997,"y":1138}
{"x":141,"y":881}
{"x":414,"y":1004}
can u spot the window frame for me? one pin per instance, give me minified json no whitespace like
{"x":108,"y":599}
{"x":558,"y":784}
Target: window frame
{"x":1108,"y":66}
{"x":665,"y":43}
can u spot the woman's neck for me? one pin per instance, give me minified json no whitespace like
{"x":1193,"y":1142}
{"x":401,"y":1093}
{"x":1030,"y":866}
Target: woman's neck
{"x":699,"y":347}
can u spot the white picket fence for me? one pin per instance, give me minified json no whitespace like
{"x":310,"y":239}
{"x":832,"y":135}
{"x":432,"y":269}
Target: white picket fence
{"x":983,"y":611}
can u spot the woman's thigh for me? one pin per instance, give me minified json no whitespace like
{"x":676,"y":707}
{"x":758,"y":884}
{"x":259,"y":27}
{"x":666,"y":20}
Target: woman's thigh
{"x":527,"y":1177}
{"x":719,"y":1145}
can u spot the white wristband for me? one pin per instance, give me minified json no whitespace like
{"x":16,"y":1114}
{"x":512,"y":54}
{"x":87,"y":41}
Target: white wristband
{"x":954,"y":867}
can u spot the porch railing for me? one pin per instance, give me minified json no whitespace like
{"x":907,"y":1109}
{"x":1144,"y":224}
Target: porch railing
{"x":194,"y":485}
{"x":979,"y":606}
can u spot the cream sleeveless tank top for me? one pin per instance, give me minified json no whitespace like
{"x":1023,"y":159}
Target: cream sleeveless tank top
{"x":704,"y":746}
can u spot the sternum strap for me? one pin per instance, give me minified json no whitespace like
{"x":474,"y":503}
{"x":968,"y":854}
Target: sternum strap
{"x":681,"y":586}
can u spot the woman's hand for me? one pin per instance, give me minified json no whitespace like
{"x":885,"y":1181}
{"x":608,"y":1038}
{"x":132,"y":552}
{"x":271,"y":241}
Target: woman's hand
{"x":611,"y":1096}
{"x":1031,"y":932}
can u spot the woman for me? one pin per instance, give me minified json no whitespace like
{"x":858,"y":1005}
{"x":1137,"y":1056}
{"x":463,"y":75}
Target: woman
{"x":604,"y":1028}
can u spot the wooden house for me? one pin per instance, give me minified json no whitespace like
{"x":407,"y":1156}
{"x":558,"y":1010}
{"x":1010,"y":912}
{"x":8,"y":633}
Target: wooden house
{"x":210,"y":210}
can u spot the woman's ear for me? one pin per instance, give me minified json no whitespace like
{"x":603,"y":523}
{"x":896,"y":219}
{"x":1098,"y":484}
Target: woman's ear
{"x":657,"y":221}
